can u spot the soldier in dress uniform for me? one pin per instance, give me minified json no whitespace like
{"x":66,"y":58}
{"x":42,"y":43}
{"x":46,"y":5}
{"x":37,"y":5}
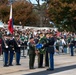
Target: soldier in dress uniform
{"x":46,"y":52}
{"x":5,"y":49}
{"x":12,"y":47}
{"x":50,"y":50}
{"x":31,"y":53}
{"x":17,"y":50}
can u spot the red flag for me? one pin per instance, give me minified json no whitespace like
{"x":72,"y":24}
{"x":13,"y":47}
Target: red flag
{"x":10,"y":22}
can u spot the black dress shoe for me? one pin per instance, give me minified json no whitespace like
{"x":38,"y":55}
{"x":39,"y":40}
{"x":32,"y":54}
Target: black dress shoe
{"x":32,"y":68}
{"x":46,"y":65}
{"x":10,"y":65}
{"x":5,"y":65}
{"x":49,"y":69}
{"x":41,"y":67}
{"x":18,"y":64}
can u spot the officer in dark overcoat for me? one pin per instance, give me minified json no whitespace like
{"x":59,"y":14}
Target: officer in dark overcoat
{"x":31,"y":53}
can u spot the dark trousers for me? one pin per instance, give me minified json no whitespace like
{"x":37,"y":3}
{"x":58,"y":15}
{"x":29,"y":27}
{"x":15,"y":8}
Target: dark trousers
{"x":11,"y":57}
{"x":46,"y":59}
{"x":18,"y":57}
{"x":51,"y":61}
{"x":72,"y":53}
{"x":5,"y":58}
{"x":40,"y":60}
{"x":31,"y":60}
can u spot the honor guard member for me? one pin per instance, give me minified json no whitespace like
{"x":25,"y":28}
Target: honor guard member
{"x":41,"y":51}
{"x":31,"y":53}
{"x":17,"y":50}
{"x":51,"y":51}
{"x":46,"y":52}
{"x":5,"y":49}
{"x":12,"y":47}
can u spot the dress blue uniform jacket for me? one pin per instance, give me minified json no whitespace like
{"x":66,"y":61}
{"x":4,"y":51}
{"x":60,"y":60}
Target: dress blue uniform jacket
{"x":50,"y":45}
{"x":4,"y":49}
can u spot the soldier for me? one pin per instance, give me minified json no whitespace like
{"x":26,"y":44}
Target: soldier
{"x":46,"y":52}
{"x":17,"y":49}
{"x":5,"y":49}
{"x":12,"y":47}
{"x":31,"y":53}
{"x":41,"y":51}
{"x":51,"y":51}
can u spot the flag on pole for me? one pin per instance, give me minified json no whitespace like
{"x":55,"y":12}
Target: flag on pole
{"x":10,"y":22}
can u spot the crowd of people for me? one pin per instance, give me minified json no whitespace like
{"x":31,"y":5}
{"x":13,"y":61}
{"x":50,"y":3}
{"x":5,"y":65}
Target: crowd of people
{"x":43,"y":43}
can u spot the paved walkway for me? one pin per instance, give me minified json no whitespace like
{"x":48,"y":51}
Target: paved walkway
{"x":64,"y":65}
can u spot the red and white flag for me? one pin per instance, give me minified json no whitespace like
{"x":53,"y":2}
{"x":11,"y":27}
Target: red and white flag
{"x":10,"y":22}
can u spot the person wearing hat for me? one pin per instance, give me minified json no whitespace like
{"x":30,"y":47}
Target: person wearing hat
{"x":5,"y":49}
{"x":46,"y":52}
{"x":50,"y":50}
{"x":12,"y":47}
{"x":31,"y":53}
{"x":17,"y":49}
